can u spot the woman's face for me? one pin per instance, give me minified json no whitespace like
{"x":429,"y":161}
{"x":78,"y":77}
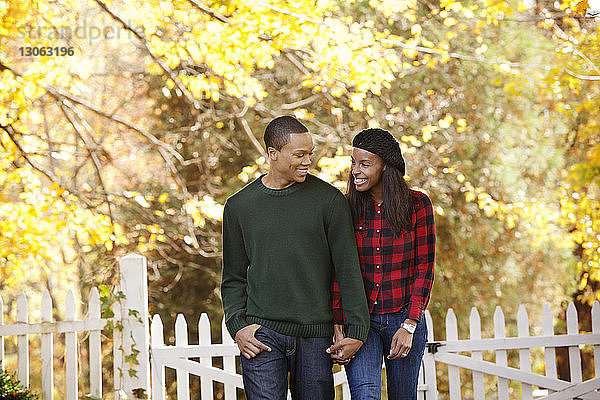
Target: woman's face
{"x":367,"y":169}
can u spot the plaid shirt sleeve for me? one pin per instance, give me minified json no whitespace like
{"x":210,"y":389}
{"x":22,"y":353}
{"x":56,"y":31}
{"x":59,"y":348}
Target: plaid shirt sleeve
{"x":424,"y":258}
{"x":338,"y":312}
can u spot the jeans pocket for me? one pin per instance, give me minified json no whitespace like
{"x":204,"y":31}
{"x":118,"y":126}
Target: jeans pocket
{"x":261,"y":331}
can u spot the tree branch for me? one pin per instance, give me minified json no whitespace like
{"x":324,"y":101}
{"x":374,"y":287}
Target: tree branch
{"x":583,"y":77}
{"x":252,"y":138}
{"x":10,"y":131}
{"x":75,"y":123}
{"x":300,"y":103}
{"x":209,"y":11}
{"x":189,"y":97}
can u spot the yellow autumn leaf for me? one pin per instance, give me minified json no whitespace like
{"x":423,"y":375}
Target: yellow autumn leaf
{"x":449,"y":22}
{"x":582,"y":7}
{"x":370,"y":110}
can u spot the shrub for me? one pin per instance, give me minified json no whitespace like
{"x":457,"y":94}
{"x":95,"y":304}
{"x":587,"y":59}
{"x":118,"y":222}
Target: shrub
{"x":12,"y":389}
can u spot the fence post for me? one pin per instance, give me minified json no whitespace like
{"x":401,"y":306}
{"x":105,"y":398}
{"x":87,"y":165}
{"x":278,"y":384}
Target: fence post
{"x":429,"y":362}
{"x":134,"y":314}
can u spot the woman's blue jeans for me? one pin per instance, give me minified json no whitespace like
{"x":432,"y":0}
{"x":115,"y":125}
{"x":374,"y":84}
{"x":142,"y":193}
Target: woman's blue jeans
{"x":364,"y":371}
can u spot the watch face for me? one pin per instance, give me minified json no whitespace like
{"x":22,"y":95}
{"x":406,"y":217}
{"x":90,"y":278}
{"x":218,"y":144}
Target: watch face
{"x":409,"y":327}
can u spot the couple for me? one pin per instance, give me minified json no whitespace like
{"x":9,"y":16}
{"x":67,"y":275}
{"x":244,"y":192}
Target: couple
{"x":293,"y":251}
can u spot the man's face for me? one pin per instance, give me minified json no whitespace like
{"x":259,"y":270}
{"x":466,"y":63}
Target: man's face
{"x":293,"y":160}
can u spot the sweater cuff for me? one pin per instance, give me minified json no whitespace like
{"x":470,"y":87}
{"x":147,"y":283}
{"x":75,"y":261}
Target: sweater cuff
{"x":235,"y":324}
{"x":415,"y":312}
{"x":358,"y":332}
{"x":338,"y":316}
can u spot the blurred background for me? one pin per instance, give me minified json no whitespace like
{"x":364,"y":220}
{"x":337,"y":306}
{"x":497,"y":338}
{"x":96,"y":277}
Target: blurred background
{"x":124,"y":126}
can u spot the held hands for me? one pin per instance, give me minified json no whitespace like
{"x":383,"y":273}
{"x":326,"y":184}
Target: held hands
{"x":249,"y":346}
{"x":343,"y":348}
{"x":401,"y":343}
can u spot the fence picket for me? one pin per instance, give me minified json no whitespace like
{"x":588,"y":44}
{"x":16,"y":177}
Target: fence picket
{"x":23,"y":341}
{"x":574,"y":354}
{"x":453,"y":372}
{"x":524,"y":354}
{"x":345,"y":387}
{"x":228,"y":362}
{"x":71,"y":350}
{"x":47,"y":350}
{"x":595,"y":329}
{"x":429,"y":362}
{"x":501,"y":358}
{"x":549,"y":352}
{"x":181,"y":339}
{"x":475,"y":333}
{"x":1,"y":337}
{"x":204,"y":338}
{"x":421,"y":382}
{"x":95,"y":346}
{"x":158,"y":370}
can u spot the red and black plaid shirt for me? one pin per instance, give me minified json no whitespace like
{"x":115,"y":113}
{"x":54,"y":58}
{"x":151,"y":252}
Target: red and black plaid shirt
{"x":397,"y":272}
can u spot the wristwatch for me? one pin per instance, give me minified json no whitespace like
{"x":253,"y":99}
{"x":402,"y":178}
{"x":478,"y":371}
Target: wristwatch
{"x":409,"y":327}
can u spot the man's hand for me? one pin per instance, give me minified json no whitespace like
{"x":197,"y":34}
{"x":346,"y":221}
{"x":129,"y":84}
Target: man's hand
{"x":338,"y":335}
{"x":249,"y":346}
{"x":401,"y":343}
{"x":343,"y":348}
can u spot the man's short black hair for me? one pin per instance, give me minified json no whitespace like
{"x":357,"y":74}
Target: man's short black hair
{"x":277,"y":133}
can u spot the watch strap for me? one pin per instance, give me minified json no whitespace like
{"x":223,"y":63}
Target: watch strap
{"x":409,"y":327}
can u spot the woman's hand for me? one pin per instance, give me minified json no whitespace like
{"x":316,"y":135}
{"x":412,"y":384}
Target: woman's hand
{"x":401,"y":342}
{"x":343,"y":348}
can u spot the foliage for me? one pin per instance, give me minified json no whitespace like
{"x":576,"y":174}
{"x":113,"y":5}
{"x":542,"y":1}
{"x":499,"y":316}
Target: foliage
{"x":12,"y":389}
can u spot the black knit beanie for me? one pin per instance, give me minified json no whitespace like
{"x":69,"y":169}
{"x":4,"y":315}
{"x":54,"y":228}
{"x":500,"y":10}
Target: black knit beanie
{"x":381,"y":142}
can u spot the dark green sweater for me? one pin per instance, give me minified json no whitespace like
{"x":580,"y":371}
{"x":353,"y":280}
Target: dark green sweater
{"x":280,"y":249}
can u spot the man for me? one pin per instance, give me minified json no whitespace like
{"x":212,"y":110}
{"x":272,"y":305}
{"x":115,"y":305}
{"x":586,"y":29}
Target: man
{"x":284,"y":236}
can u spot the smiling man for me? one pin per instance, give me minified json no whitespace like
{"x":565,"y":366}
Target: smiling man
{"x":284,"y":236}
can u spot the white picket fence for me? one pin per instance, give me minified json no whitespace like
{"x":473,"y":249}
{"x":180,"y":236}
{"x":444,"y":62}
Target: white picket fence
{"x":132,"y":312}
{"x":47,"y":329}
{"x":133,"y":283}
{"x":178,"y":357}
{"x":550,"y":386}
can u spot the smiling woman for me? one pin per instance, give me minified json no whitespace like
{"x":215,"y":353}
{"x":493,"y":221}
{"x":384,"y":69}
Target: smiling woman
{"x":395,"y":237}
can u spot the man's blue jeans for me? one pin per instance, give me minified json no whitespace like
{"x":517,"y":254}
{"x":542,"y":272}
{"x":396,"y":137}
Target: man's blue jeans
{"x":364,"y":371}
{"x":266,"y":375}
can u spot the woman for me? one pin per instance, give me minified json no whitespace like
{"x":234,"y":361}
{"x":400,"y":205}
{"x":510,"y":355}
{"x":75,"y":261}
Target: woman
{"x":395,"y":235}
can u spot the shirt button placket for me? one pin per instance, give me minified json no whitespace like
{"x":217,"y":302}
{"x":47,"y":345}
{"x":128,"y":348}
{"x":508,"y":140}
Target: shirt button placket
{"x":379,"y":256}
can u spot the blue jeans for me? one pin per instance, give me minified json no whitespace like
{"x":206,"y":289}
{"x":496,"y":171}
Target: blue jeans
{"x":364,"y":371}
{"x":266,"y":375}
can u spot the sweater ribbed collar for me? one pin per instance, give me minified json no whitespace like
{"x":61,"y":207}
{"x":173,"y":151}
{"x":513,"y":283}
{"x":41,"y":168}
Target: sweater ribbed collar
{"x":278,"y":192}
